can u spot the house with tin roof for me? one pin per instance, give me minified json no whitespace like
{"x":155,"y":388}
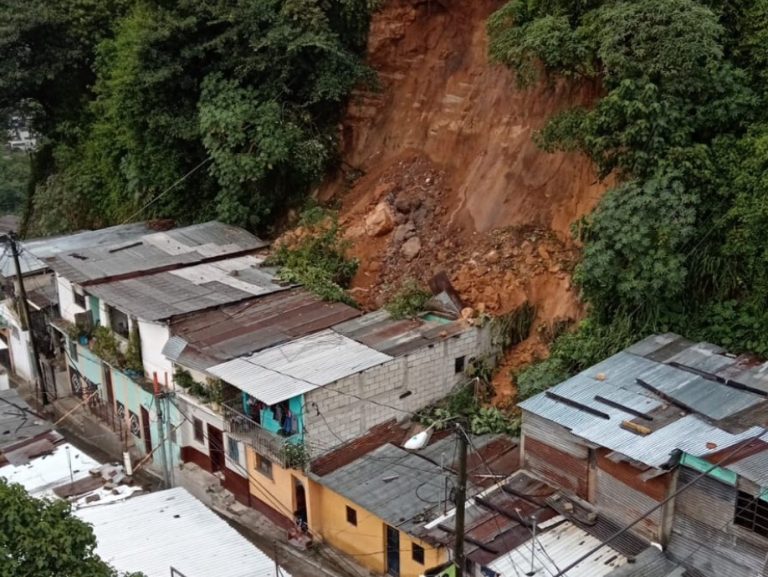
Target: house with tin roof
{"x":663,"y":415}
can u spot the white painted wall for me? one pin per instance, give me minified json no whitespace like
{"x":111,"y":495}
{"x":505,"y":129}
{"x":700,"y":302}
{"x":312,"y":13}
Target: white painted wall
{"x":67,"y":306}
{"x":153,"y":339}
{"x":20,"y":350}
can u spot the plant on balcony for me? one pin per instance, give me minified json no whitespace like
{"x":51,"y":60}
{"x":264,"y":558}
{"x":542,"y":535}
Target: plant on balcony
{"x":104,"y":345}
{"x":215,"y":392}
{"x":133,"y":360}
{"x":295,"y":456}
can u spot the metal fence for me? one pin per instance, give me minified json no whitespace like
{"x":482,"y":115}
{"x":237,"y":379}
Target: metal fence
{"x":249,"y":431}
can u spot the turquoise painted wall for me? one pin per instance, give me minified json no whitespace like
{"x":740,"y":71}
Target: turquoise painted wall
{"x":269,"y":423}
{"x":132,"y":396}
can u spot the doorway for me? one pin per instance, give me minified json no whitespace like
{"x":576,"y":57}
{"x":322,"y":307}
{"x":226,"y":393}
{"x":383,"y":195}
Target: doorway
{"x":300,"y":501}
{"x":393,"y":551}
{"x":215,"y":448}
{"x":106,"y":372}
{"x":145,"y":431}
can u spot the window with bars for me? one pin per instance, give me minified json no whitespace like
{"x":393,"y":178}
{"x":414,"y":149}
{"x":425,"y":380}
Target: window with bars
{"x":233,"y":449}
{"x":751,"y":513}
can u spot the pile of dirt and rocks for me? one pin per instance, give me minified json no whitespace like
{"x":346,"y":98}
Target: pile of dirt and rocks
{"x":440,"y":171}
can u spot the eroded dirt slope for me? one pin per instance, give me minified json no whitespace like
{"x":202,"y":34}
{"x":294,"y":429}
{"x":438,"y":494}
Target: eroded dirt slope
{"x":441,"y":173}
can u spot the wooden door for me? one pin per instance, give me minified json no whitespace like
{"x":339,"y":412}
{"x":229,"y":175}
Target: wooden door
{"x":145,"y":430}
{"x":216,"y":448}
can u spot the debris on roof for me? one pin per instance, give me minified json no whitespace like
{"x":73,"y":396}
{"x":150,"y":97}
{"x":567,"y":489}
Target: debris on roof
{"x":23,"y":433}
{"x":685,"y":394}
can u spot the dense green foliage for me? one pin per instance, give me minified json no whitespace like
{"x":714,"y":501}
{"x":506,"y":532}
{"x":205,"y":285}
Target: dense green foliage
{"x":318,"y":258}
{"x":43,"y":538}
{"x":243,"y":96}
{"x":14,"y":175}
{"x":409,"y":300}
{"x":678,"y":244}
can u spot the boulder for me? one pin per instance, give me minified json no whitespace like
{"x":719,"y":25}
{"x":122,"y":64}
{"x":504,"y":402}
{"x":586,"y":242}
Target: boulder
{"x":411,"y":248}
{"x":380,"y":221}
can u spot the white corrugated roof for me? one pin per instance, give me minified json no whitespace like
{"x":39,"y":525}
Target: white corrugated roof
{"x":155,"y":532}
{"x":556,"y":549}
{"x":42,"y":474}
{"x":299,"y":366}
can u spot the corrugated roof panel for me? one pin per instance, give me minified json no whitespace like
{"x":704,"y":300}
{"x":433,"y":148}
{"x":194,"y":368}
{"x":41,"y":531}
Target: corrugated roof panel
{"x":173,"y":348}
{"x":152,"y":533}
{"x":707,"y":397}
{"x":152,"y":251}
{"x":163,"y":295}
{"x":299,"y":366}
{"x":558,"y":548}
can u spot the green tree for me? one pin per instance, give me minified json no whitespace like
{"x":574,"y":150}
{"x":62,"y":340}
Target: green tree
{"x":42,"y":538}
{"x":14,"y":175}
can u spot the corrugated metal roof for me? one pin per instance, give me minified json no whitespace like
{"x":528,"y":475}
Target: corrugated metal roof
{"x":250,"y":326}
{"x":19,"y":424}
{"x":35,"y":251}
{"x":557,"y":548}
{"x":396,"y":337}
{"x":41,"y":475}
{"x":299,"y":366}
{"x":183,"y":246}
{"x":152,"y":533}
{"x":162,"y":295}
{"x":615,"y":378}
{"x":399,"y":487}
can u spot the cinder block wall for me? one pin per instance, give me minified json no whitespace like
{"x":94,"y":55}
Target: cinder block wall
{"x":349,"y":407}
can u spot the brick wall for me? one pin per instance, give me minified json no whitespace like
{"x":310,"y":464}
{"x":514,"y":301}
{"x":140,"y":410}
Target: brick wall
{"x":349,"y":407}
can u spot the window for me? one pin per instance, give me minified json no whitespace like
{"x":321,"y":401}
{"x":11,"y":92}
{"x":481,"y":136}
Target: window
{"x":72,"y":350}
{"x":417,"y":553}
{"x":458,"y":364}
{"x":233,"y":449}
{"x":78,"y":297}
{"x":118,"y":322}
{"x":751,"y":513}
{"x":351,"y":516}
{"x":198,"y":426}
{"x":264,"y":466}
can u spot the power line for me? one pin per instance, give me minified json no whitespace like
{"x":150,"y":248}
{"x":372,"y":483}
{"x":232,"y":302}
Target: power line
{"x":167,"y":190}
{"x":656,"y":507}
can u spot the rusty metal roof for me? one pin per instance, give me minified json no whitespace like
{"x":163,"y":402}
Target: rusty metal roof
{"x":396,"y":337}
{"x":152,"y":252}
{"x":231,"y":331}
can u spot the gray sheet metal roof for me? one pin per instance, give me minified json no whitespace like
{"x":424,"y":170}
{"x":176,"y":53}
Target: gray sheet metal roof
{"x":397,"y":337}
{"x":35,"y":251}
{"x":399,"y":487}
{"x":159,"y":250}
{"x":19,"y":425}
{"x":250,"y":326}
{"x":299,"y":366}
{"x":616,"y":379}
{"x":163,"y":295}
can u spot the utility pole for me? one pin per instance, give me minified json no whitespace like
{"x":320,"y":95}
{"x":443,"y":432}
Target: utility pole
{"x":461,"y":497}
{"x":26,"y":319}
{"x":159,"y":398}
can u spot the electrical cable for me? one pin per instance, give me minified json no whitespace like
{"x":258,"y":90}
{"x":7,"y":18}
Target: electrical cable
{"x":279,"y":506}
{"x":626,"y":528}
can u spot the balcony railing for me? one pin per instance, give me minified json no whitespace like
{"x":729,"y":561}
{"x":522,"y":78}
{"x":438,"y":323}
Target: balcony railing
{"x":249,"y":431}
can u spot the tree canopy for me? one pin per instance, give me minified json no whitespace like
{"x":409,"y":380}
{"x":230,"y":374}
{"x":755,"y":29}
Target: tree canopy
{"x":42,"y":538}
{"x":675,"y":245}
{"x":129,"y":96}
